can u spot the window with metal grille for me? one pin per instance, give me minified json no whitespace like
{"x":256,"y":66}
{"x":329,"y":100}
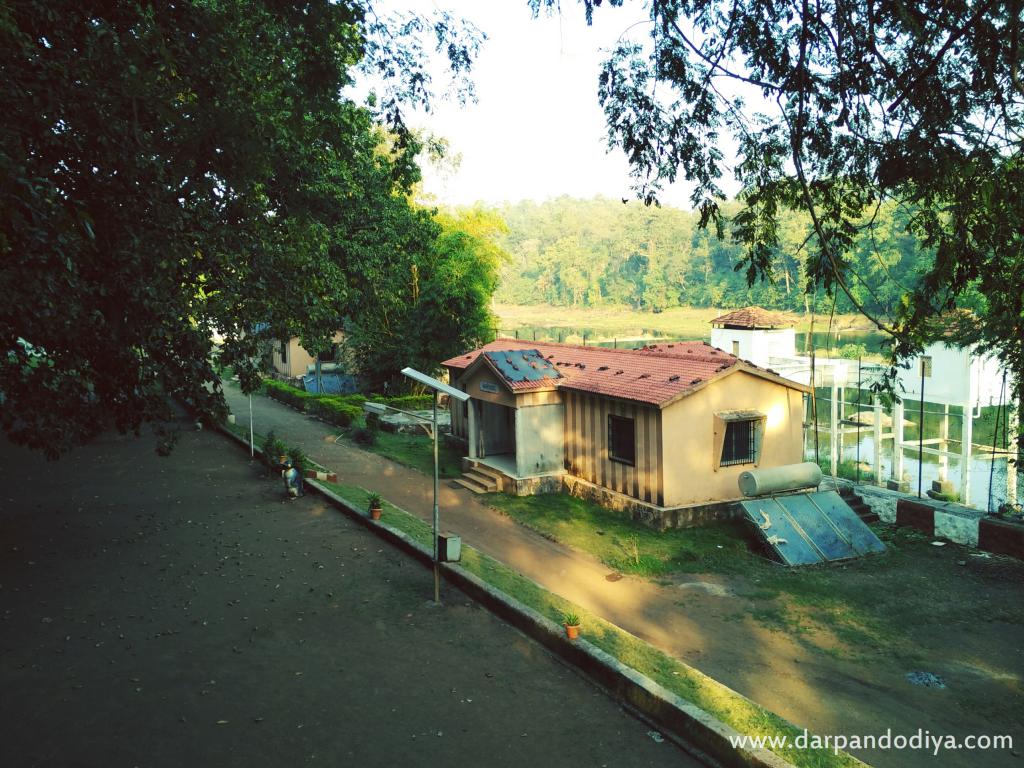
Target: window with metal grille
{"x":621,"y":439}
{"x":738,"y":447}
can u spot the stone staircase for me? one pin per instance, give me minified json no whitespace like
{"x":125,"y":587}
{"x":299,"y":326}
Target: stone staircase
{"x":481,"y":479}
{"x":856,"y":503}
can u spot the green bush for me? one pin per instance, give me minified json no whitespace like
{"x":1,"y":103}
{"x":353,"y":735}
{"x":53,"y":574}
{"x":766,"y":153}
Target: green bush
{"x":273,"y":449}
{"x":287,"y":394}
{"x":853,"y":351}
{"x":298,"y":459}
{"x":336,"y":410}
{"x":365,"y":436}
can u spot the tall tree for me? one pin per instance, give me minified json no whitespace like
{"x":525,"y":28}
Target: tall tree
{"x":427,"y":300}
{"x":171,"y":169}
{"x":837,"y":106}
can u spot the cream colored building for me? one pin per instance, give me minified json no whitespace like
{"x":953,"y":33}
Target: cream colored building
{"x":291,"y":360}
{"x":663,"y":427}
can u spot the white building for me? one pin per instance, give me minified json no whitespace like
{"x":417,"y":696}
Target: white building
{"x":754,"y":334}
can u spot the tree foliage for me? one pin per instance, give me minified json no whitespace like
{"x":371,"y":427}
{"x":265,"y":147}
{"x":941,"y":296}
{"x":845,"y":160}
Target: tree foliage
{"x":599,"y":252}
{"x":427,"y":301}
{"x":171,"y":169}
{"x":837,"y":106}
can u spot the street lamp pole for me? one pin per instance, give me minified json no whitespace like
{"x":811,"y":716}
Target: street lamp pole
{"x":438,"y":387}
{"x":437,"y":514}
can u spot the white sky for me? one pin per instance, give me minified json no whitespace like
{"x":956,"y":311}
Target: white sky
{"x":537,"y":131}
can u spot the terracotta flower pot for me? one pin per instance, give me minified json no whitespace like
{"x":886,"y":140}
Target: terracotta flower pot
{"x":572,"y":631}
{"x":375,"y":513}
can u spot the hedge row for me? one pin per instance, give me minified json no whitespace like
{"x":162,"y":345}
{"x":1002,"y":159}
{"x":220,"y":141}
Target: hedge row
{"x":334,"y":409}
{"x":287,"y":394}
{"x":340,"y":410}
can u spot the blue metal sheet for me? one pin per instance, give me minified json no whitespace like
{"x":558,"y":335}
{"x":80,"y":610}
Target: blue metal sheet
{"x":333,"y":383}
{"x":808,"y":528}
{"x":862,"y":538}
{"x":776,"y":527}
{"x":522,"y":365}
{"x":817,"y":527}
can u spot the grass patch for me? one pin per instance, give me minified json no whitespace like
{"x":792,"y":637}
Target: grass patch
{"x":811,"y":603}
{"x":417,"y":452}
{"x":626,"y":545}
{"x":686,"y":682}
{"x":408,"y":524}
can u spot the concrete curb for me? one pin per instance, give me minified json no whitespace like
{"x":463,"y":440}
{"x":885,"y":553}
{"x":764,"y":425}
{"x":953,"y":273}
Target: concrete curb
{"x":944,"y":520}
{"x":328,"y":477}
{"x":988,"y":534}
{"x":693,"y":728}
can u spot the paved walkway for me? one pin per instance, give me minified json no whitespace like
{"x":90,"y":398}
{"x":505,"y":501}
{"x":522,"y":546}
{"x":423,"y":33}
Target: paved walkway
{"x":692,"y":619}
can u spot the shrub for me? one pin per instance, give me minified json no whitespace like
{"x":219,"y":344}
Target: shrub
{"x":333,"y":409}
{"x":365,"y":436}
{"x":273,"y":449}
{"x":298,"y":459}
{"x":852,"y":351}
{"x":287,"y":394}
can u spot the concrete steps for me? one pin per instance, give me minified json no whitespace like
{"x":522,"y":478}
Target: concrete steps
{"x":480,"y":479}
{"x":856,"y":503}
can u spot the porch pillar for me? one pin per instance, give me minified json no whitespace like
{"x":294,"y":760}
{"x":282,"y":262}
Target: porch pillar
{"x":471,"y":428}
{"x":520,"y":453}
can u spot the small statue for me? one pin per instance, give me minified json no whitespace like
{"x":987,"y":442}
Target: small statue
{"x":293,"y":483}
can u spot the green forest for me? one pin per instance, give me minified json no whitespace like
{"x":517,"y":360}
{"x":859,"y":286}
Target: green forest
{"x":602,"y":252}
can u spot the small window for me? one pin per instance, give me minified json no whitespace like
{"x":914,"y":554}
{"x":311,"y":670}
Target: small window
{"x":736,"y":348}
{"x":738,"y":447}
{"x":926,"y":366}
{"x":621,"y":439}
{"x":284,"y":351}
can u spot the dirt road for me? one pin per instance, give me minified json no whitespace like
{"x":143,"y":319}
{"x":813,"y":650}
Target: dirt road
{"x":173,"y":612}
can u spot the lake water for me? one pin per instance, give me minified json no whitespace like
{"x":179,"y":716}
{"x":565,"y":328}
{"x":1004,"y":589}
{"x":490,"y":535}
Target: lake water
{"x":873,"y":341}
{"x":984,"y":471}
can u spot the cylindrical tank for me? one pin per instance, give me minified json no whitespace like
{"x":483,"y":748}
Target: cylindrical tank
{"x":791,"y":477}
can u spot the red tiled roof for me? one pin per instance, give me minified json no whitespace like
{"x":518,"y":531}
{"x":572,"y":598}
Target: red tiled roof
{"x":753,"y":317}
{"x":961,"y":326}
{"x":657,"y":374}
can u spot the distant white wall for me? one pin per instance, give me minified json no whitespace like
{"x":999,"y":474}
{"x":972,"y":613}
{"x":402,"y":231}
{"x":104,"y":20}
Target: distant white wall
{"x":958,"y":376}
{"x":757,"y":346}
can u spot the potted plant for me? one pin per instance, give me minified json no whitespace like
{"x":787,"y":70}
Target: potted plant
{"x":571,"y":622}
{"x":376,"y":505}
{"x":298,"y":460}
{"x":274,"y":451}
